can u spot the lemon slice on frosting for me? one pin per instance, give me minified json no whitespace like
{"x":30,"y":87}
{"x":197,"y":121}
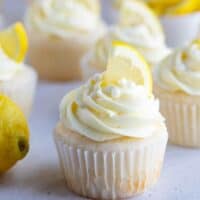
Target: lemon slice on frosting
{"x":160,"y":6}
{"x":183,"y":7}
{"x":174,"y":7}
{"x":125,"y":62}
{"x":14,"y":42}
{"x":136,"y":13}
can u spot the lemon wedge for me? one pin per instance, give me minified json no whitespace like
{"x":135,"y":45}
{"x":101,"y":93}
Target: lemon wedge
{"x":185,"y":6}
{"x":125,"y":62}
{"x":163,"y":2}
{"x":136,"y":13}
{"x":160,"y":6}
{"x":14,"y":42}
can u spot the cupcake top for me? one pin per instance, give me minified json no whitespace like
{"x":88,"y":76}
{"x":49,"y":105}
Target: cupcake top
{"x":116,"y":103}
{"x":180,"y":71}
{"x":13,"y":47}
{"x":62,"y":17}
{"x":137,"y":26}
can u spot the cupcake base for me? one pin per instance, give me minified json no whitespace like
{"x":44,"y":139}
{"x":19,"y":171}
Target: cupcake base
{"x":110,"y":170}
{"x":21,"y":89}
{"x":58,"y":59}
{"x":182,"y":113}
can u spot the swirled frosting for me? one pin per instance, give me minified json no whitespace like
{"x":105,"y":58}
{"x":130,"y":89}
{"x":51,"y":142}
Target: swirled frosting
{"x":103,"y":113}
{"x":151,"y":46}
{"x":8,"y":67}
{"x":180,"y":71}
{"x":61,"y":17}
{"x":137,"y":26}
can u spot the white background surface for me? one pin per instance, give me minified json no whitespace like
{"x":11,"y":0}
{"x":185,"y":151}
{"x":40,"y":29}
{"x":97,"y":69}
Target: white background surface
{"x":38,"y":177}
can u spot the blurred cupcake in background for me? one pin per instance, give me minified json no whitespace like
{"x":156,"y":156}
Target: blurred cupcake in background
{"x":60,"y":32}
{"x":177,"y":85}
{"x":180,"y":18}
{"x":111,"y":137}
{"x":17,"y":80}
{"x":137,"y":26}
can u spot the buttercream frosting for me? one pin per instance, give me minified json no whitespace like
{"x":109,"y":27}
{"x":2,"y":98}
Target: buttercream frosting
{"x":103,"y":113}
{"x":180,"y":71}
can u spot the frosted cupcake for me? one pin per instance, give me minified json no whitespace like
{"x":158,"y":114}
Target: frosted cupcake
{"x":139,"y":27}
{"x":60,"y":32}
{"x":111,"y":137}
{"x":17,"y":80}
{"x":180,"y":18}
{"x":177,"y":81}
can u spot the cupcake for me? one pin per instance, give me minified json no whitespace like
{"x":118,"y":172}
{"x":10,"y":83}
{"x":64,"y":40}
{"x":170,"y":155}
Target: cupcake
{"x":177,"y":85}
{"x":180,"y":18}
{"x":133,"y":28}
{"x":60,"y":32}
{"x":111,"y":138}
{"x":17,"y":80}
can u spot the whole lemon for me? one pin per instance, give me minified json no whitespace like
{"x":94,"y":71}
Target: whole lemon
{"x":14,"y":134}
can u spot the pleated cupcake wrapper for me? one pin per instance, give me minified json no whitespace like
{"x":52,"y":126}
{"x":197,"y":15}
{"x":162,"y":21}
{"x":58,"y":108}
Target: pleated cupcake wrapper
{"x":21,"y":92}
{"x":111,"y":175}
{"x":183,"y":120}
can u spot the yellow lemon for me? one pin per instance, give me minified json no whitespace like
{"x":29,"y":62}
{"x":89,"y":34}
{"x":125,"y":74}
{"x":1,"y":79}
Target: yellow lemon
{"x":184,"y":7}
{"x":14,"y":42}
{"x":14,"y":134}
{"x":174,"y":7}
{"x":125,"y":62}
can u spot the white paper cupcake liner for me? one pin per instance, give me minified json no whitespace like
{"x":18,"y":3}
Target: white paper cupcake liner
{"x":112,"y":174}
{"x":180,"y":30}
{"x":182,"y":113}
{"x":21,"y":89}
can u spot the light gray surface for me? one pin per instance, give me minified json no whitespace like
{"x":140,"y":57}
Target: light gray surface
{"x":38,"y":177}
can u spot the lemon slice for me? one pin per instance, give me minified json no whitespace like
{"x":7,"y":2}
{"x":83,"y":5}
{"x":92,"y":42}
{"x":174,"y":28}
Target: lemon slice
{"x":184,"y":7}
{"x":14,"y":42}
{"x":160,"y":6}
{"x":163,"y":2}
{"x":125,"y":62}
{"x":136,"y":13}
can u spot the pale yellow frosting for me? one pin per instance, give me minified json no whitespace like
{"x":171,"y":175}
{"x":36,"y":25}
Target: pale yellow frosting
{"x":105,"y":113}
{"x":180,"y":71}
{"x":137,"y":26}
{"x":62,"y":17}
{"x":151,"y":46}
{"x":8,"y":67}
